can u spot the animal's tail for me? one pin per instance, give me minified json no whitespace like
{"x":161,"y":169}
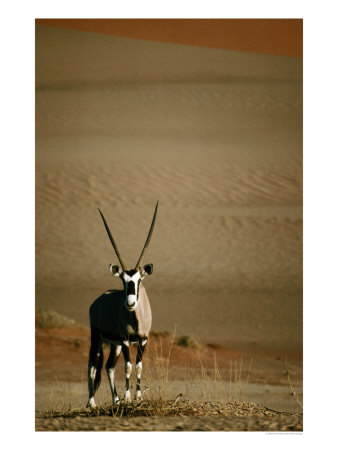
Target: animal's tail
{"x":97,"y":379}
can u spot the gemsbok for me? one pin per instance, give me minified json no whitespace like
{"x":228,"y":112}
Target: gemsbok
{"x":120,"y":318}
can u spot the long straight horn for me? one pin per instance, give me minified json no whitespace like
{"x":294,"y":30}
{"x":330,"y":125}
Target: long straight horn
{"x":139,"y":262}
{"x":124,"y":267}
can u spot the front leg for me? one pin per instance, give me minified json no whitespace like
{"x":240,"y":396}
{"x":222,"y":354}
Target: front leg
{"x":127,"y":367}
{"x":140,"y":349}
{"x":110,"y":368}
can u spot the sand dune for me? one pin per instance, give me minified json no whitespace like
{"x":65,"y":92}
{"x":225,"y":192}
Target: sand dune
{"x":276,"y":36}
{"x":216,"y":136}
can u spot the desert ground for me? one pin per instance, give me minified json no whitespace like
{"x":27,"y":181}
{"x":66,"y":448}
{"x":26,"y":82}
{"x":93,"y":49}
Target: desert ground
{"x":186,"y":387}
{"x":216,"y":136}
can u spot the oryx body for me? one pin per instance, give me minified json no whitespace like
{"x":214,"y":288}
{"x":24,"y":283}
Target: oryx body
{"x":120,"y":318}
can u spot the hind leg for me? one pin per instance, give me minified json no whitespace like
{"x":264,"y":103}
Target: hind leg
{"x":138,"y":367}
{"x":115,"y":351}
{"x":94,"y":366}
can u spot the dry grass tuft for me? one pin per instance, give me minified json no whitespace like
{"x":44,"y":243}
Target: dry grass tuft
{"x":291,"y":388}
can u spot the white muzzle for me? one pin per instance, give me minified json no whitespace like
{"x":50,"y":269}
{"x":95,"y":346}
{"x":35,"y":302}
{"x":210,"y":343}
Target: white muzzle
{"x":131,"y":302}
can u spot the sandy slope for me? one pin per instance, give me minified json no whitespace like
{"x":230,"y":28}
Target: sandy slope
{"x":216,"y":136}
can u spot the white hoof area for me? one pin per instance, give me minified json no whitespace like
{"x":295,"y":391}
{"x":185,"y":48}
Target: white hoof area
{"x":116,"y":401}
{"x":138,"y":395}
{"x":126,"y":397}
{"x":91,"y":403}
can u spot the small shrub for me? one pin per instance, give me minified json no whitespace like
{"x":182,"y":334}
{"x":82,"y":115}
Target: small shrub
{"x":51,"y":319}
{"x":188,"y":341}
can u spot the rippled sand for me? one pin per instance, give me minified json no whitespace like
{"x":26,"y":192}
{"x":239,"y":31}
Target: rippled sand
{"x":216,"y":136}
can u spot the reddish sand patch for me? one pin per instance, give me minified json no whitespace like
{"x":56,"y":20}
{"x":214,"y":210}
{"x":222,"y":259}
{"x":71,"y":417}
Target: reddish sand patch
{"x":62,"y":354}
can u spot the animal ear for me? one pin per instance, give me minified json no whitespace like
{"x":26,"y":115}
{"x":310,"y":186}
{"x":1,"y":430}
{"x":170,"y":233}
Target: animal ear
{"x":114,"y":270}
{"x":147,"y":270}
